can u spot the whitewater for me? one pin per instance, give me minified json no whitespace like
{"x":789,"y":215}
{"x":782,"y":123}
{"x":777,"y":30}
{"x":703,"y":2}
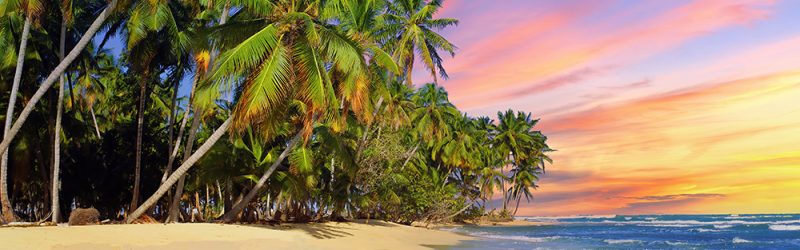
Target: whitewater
{"x":720,"y":231}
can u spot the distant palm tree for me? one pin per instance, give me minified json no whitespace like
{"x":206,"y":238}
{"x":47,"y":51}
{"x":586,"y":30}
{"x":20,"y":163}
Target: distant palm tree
{"x":409,"y":27}
{"x":433,"y":112}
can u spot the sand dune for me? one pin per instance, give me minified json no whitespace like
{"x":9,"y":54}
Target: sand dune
{"x":376,"y":235}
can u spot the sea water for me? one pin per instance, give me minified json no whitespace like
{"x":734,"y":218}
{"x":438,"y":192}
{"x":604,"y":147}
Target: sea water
{"x":728,"y":231}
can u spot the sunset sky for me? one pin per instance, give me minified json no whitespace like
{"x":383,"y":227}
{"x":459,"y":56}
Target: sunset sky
{"x":653,"y":106}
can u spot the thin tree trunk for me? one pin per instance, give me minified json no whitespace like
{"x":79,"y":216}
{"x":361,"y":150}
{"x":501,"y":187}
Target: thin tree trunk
{"x":197,"y":206}
{"x":503,"y":183}
{"x":94,"y":120}
{"x":8,"y":212}
{"x":228,"y":196}
{"x":457,"y":213}
{"x":176,"y":198}
{"x":48,"y":82}
{"x":413,"y":151}
{"x":181,"y":129}
{"x":230,"y":215}
{"x":447,"y":177}
{"x":171,"y":125}
{"x":139,"y":133}
{"x":219,"y":194}
{"x":181,"y":170}
{"x":57,"y":140}
{"x":517,"y":207}
{"x":205,"y":206}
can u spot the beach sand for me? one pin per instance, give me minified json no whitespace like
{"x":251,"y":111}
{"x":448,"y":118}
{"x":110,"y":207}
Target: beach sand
{"x":333,"y":235}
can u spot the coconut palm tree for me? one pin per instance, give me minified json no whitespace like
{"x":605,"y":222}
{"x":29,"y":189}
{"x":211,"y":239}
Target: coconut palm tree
{"x":31,"y":10}
{"x":285,"y":45}
{"x":410,"y":27}
{"x":48,"y":82}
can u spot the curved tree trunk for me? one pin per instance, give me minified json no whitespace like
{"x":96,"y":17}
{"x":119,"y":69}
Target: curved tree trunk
{"x":181,"y":170}
{"x":517,"y":207}
{"x":8,"y":212}
{"x":55,"y":209}
{"x":48,"y":82}
{"x":230,"y":215}
{"x":176,"y":198}
{"x":139,"y":130}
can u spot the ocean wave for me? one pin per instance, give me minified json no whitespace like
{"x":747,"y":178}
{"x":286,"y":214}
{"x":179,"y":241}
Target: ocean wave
{"x":740,"y":240}
{"x":704,"y":230}
{"x":779,"y":227}
{"x":622,"y":241}
{"x":516,"y":237}
{"x":691,"y":223}
{"x":676,"y":243}
{"x":739,"y":217}
{"x":606,"y":216}
{"x":722,"y":226}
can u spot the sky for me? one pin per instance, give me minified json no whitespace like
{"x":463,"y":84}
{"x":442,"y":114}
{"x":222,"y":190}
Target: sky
{"x":654,"y":106}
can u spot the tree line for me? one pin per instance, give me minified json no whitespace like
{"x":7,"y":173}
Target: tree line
{"x":298,"y":110}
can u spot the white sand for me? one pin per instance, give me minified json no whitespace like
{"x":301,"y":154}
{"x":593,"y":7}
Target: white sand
{"x":376,"y":235}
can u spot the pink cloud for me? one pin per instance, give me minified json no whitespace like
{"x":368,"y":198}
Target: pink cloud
{"x":530,"y":53}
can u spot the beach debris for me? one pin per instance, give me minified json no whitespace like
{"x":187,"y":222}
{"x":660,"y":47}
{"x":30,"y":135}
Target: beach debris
{"x":84,"y":216}
{"x":144,"y":219}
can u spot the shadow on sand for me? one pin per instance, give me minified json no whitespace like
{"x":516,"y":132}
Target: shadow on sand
{"x":328,"y":230}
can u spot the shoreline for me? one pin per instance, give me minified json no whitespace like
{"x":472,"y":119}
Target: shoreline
{"x":329,"y":235}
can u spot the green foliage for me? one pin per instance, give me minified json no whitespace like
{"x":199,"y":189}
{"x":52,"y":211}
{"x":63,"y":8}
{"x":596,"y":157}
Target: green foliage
{"x":335,"y":72}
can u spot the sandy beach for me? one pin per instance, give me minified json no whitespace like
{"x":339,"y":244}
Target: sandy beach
{"x":375,"y":235}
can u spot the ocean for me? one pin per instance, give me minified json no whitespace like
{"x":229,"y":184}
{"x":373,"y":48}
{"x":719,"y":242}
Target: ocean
{"x":723,"y":231}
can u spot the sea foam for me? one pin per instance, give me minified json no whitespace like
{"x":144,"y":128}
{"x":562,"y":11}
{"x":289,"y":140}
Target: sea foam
{"x":624,"y":241}
{"x":784,"y":227}
{"x":740,"y":240}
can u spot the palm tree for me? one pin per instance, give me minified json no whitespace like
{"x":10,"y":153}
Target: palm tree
{"x":409,"y":27}
{"x":31,"y":9}
{"x":154,"y":38}
{"x":301,"y":43}
{"x":285,"y":48}
{"x":432,"y":113}
{"x":66,"y":18}
{"x":48,"y":82}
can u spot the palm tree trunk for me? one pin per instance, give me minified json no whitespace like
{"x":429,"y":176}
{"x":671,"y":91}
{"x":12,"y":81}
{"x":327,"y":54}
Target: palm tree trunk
{"x":139,"y":132}
{"x":413,"y":151}
{"x":94,"y":120}
{"x":181,"y":170}
{"x":181,"y":129}
{"x":171,"y":124}
{"x":503,"y":183}
{"x":57,"y":140}
{"x":219,"y":194}
{"x":176,"y":198}
{"x":230,"y":215}
{"x":8,"y":212}
{"x":48,"y":82}
{"x":517,"y":207}
{"x":457,"y":213}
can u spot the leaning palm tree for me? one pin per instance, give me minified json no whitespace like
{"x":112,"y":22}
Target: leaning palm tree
{"x":31,"y":10}
{"x":48,"y":82}
{"x":409,"y":27}
{"x":285,"y":46}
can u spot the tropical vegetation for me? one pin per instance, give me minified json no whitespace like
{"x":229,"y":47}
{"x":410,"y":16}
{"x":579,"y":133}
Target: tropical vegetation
{"x":241,"y":110}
